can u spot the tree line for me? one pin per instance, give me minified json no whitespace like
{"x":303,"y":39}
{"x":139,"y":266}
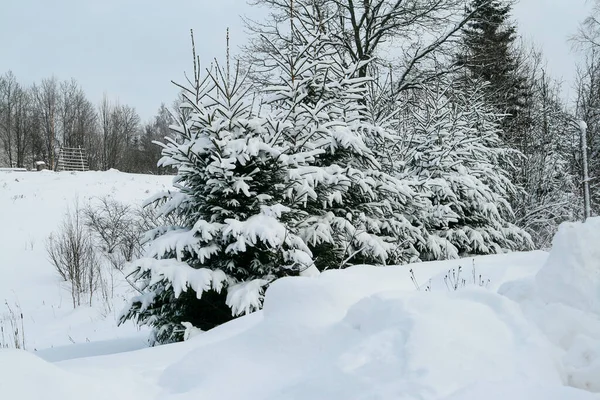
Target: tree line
{"x":37,"y":120}
{"x":373,"y":132}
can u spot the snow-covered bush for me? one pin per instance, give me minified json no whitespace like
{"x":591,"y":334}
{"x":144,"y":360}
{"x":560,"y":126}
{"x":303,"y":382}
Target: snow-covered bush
{"x":119,"y":230}
{"x":355,"y":211}
{"x":457,"y":157}
{"x":118,"y":234}
{"x":94,"y":242}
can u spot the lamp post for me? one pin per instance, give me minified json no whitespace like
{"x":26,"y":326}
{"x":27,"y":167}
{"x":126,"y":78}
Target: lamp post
{"x":586,"y":179}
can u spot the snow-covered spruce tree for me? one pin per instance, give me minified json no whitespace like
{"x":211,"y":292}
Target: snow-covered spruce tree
{"x":490,"y":53}
{"x":354,"y":212}
{"x":235,"y":235}
{"x":457,"y":155}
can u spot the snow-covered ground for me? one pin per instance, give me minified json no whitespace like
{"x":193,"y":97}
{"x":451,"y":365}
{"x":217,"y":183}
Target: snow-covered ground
{"x":521,"y":326}
{"x":32,"y":206}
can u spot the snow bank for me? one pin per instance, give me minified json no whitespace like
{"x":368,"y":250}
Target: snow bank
{"x":571,"y":275}
{"x":24,"y":376}
{"x":326,"y":300}
{"x":322,"y":339}
{"x":366,"y":332}
{"x":563,"y":299}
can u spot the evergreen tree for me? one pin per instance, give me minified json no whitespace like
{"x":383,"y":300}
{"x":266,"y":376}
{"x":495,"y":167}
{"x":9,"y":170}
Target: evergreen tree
{"x":354,"y":212}
{"x":234,"y":234}
{"x":259,"y":197}
{"x":489,"y":55}
{"x":457,"y":156}
{"x":147,"y":152}
{"x":534,"y":122}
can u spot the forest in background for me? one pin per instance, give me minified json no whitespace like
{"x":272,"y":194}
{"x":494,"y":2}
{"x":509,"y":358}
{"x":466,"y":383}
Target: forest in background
{"x":448,"y":63}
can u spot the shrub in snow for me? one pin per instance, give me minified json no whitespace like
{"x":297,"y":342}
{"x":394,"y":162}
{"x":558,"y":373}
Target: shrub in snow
{"x":117,"y":233}
{"x":457,"y":157}
{"x":12,"y":329}
{"x":116,"y":230}
{"x":234,"y":234}
{"x":92,"y":245}
{"x":71,"y":252}
{"x":454,"y":279}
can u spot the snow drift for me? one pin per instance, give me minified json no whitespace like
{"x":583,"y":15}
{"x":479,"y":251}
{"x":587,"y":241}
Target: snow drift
{"x":317,"y":341}
{"x":571,"y":275}
{"x":360,"y":333}
{"x":24,"y":376}
{"x":563,"y":299}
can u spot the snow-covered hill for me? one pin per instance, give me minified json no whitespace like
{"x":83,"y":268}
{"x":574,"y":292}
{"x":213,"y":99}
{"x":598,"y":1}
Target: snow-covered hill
{"x":32,"y":206}
{"x":520,"y":326}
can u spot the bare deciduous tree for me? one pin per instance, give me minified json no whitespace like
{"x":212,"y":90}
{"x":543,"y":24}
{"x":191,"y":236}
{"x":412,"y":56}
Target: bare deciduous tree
{"x":407,"y":34}
{"x":119,"y":125}
{"x":77,"y":117}
{"x":25,"y":125}
{"x":47,"y":104}
{"x":8,"y":91}
{"x":588,"y":35}
{"x":71,"y":251}
{"x":116,"y":229}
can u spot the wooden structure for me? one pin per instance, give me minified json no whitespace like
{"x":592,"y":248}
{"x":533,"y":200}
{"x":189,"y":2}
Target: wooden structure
{"x":72,"y":159}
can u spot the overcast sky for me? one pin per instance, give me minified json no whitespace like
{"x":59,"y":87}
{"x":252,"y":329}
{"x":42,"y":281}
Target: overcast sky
{"x":549,"y":24}
{"x":131,"y":49}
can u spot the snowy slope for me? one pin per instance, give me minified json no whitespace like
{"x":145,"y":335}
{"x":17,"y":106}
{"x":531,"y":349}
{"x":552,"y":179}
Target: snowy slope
{"x":32,"y":205}
{"x":361,"y":333}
